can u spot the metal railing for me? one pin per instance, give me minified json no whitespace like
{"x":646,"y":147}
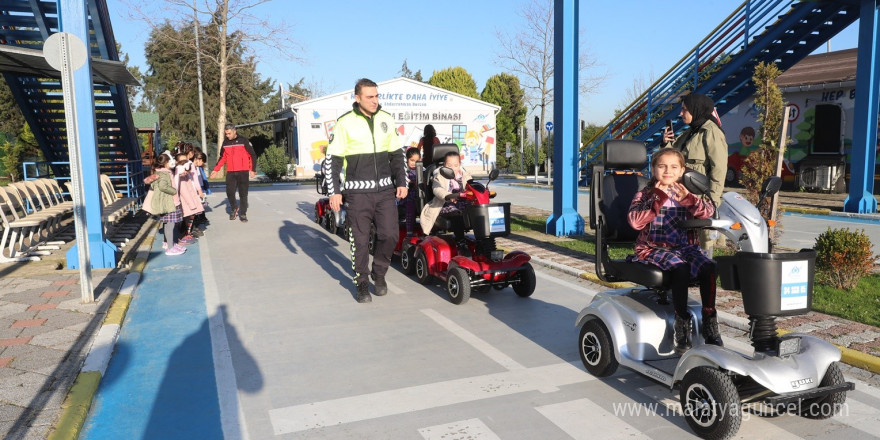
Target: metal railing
{"x":129,"y":173}
{"x":644,"y":118}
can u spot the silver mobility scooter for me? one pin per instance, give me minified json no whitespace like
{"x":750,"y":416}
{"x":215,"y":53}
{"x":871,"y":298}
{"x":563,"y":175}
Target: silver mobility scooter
{"x":633,"y":326}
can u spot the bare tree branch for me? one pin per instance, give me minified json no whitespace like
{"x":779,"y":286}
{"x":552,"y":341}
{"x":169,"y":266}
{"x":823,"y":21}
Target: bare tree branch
{"x":528,"y":53}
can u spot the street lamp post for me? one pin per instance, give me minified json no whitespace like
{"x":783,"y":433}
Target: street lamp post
{"x":537,"y":134}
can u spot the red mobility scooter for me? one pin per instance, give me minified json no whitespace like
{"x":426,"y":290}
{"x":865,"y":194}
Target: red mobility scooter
{"x":437,"y":255}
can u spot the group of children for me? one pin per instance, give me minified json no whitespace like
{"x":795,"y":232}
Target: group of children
{"x":179,"y":185}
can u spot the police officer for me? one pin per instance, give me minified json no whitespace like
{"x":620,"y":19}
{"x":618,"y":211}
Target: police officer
{"x":364,"y":142}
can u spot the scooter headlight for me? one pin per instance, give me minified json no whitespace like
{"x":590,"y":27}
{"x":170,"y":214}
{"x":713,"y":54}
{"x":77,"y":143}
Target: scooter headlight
{"x":789,"y":346}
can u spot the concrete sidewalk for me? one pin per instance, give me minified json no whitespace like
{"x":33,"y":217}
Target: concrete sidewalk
{"x":46,"y":333}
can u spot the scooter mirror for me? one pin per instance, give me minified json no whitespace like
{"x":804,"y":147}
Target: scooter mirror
{"x":446,"y":172}
{"x":695,"y":182}
{"x":494,"y":174}
{"x":771,"y":186}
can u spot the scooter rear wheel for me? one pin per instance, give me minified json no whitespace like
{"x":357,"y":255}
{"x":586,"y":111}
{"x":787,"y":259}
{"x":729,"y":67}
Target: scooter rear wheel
{"x":423,"y":274}
{"x":408,"y":260}
{"x":595,"y":349}
{"x":331,"y":222}
{"x":710,"y":403}
{"x":317,"y":214}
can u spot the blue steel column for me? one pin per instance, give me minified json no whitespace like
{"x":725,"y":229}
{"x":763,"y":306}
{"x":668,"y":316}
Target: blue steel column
{"x":862,"y":155}
{"x":565,"y":219}
{"x":73,"y":18}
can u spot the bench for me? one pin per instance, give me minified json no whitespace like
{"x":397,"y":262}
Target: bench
{"x":24,"y":232}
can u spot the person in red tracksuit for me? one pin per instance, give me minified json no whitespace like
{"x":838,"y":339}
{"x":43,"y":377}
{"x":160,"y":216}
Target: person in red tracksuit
{"x":238,"y":155}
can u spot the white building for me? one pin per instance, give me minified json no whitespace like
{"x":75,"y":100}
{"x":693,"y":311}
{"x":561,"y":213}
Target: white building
{"x":466,"y":121}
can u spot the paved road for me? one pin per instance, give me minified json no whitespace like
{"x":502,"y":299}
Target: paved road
{"x":295,"y":357}
{"x":799,"y":230}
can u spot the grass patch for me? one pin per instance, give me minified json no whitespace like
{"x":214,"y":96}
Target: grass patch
{"x":585,"y":244}
{"x":861,"y":304}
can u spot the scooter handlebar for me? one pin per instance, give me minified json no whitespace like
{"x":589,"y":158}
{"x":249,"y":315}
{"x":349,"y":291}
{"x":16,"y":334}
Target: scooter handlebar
{"x":697,"y":223}
{"x":711,"y":223}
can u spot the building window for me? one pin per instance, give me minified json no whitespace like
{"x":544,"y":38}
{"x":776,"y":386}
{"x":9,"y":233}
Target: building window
{"x":458,"y":132}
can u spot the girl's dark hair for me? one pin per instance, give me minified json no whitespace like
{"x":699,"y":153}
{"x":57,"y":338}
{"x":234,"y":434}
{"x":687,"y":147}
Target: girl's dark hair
{"x":412,"y":151}
{"x":200,"y":155}
{"x":160,"y":161}
{"x":450,"y":154}
{"x":183,"y":148}
{"x":428,"y":139}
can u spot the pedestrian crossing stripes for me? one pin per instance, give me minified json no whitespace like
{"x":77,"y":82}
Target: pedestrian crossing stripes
{"x":470,"y":429}
{"x":434,"y":395}
{"x":579,"y":418}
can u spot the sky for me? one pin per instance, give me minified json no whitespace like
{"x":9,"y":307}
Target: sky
{"x":631,"y":40}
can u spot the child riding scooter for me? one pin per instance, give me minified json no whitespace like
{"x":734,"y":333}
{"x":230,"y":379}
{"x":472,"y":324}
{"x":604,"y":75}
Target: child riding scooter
{"x":657,"y":211}
{"x":456,"y":203}
{"x":634,"y":327}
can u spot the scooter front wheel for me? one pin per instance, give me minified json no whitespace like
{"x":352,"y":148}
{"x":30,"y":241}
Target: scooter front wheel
{"x":824,"y":407}
{"x":458,"y":285}
{"x":710,"y":403}
{"x":595,"y":349}
{"x":527,"y":282}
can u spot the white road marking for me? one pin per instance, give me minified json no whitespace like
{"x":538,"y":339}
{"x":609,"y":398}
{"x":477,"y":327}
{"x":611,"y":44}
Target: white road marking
{"x":859,"y":415}
{"x":422,"y":397}
{"x":470,"y":429}
{"x":580,"y":419}
{"x":474,"y":341}
{"x":231,"y":413}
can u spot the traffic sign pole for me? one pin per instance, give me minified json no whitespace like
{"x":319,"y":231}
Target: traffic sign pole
{"x":549,"y":126}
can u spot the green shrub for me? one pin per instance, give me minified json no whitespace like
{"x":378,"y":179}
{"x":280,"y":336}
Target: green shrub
{"x":843,"y":257}
{"x":273,"y":162}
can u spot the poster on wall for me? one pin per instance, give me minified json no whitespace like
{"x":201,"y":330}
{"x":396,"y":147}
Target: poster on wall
{"x":464,"y":121}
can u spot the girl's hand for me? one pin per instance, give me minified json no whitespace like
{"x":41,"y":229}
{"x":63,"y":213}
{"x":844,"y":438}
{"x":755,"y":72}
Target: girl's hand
{"x":678,"y":191}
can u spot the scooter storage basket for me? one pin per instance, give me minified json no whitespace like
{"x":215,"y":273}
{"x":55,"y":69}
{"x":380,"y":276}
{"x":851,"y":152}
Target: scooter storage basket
{"x":492,"y":220}
{"x":771,"y":284}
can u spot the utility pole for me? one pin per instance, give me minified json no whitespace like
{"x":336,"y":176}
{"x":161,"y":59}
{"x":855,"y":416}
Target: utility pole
{"x":521,"y":140}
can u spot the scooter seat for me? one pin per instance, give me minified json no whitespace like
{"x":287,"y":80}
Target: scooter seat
{"x":646,"y":275}
{"x":442,"y":223}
